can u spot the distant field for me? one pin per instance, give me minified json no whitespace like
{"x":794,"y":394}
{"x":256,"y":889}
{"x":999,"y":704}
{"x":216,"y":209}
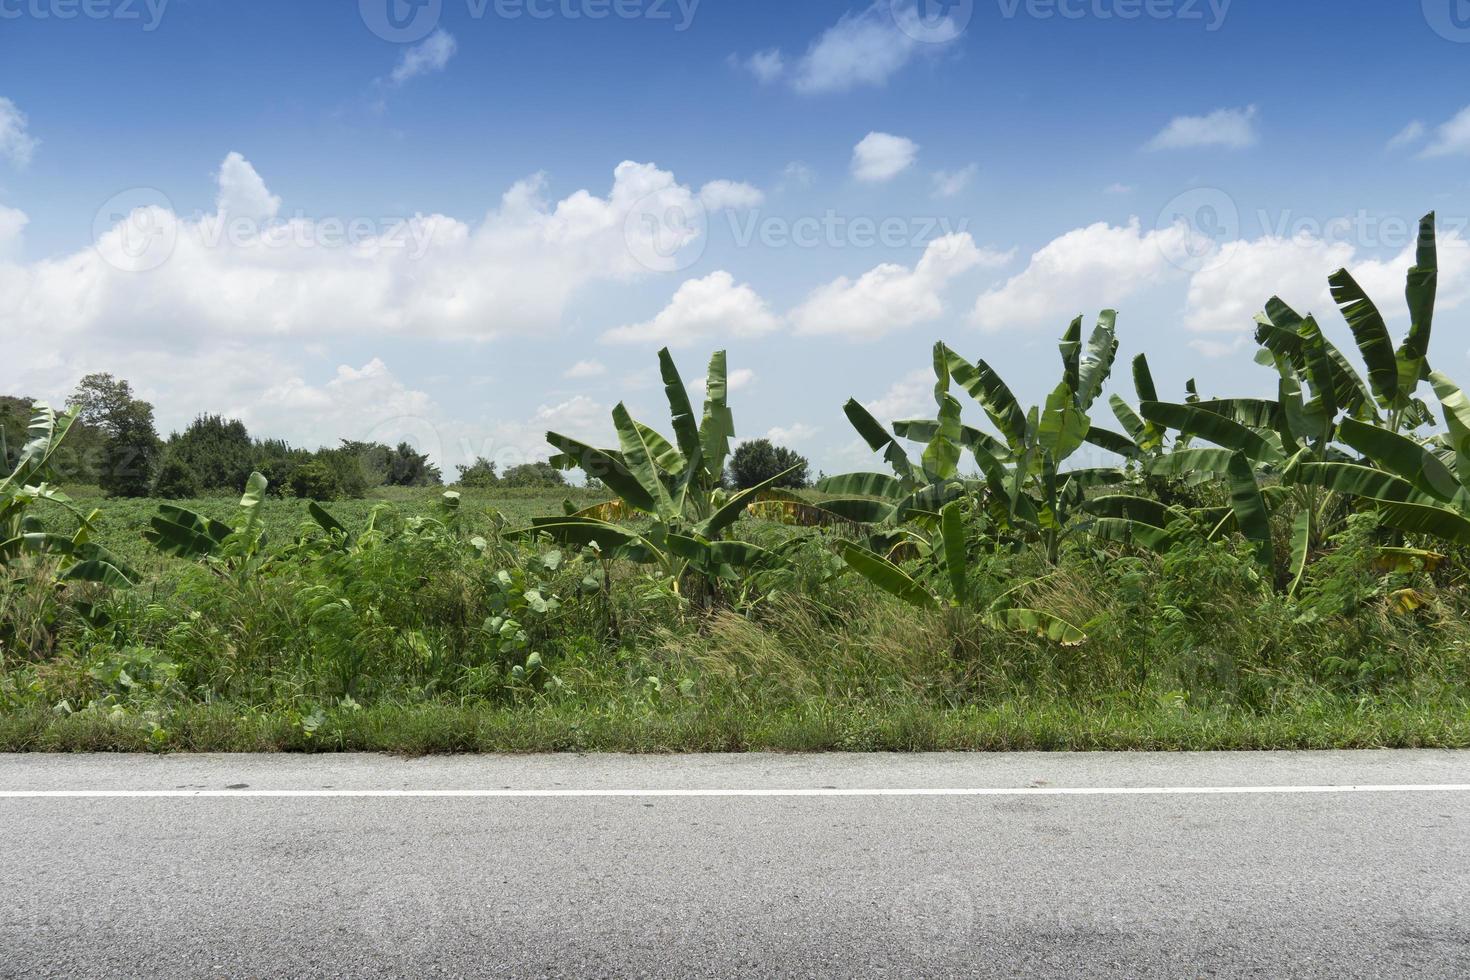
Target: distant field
{"x":122,"y":522}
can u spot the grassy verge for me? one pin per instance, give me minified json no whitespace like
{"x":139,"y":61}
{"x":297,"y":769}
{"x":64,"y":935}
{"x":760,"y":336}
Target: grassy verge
{"x":421,"y":730}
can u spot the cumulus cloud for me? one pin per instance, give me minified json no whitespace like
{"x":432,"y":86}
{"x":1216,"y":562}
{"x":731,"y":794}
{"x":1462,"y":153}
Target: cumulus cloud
{"x":425,"y":58}
{"x":864,"y":48}
{"x":794,"y":434}
{"x":12,"y":225}
{"x":892,"y":297}
{"x":880,"y":157}
{"x":1410,"y":134}
{"x":585,"y":369}
{"x":730,"y":195}
{"x":713,"y":309}
{"x":1451,"y":138}
{"x":766,"y":66}
{"x":1233,"y":129}
{"x":1100,"y":265}
{"x":16,"y":142}
{"x":189,"y":280}
{"x":950,"y":183}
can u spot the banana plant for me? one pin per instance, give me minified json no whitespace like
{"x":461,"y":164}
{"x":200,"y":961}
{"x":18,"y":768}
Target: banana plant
{"x":1416,"y":487}
{"x":944,"y":578}
{"x":1027,"y":494}
{"x":28,"y":485}
{"x":676,"y":486}
{"x":233,"y":550}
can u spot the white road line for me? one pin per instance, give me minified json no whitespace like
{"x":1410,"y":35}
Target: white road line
{"x":328,"y":794}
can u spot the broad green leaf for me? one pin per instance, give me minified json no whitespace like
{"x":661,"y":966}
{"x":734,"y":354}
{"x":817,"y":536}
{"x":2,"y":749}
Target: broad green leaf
{"x":987,"y":388}
{"x":1352,"y":479}
{"x":1038,"y":623}
{"x":1403,"y":456}
{"x":1124,"y":507}
{"x":956,"y":563}
{"x":718,"y":426}
{"x":1251,"y":516}
{"x":1371,"y":333}
{"x":1423,"y":283}
{"x":1301,"y":547}
{"x":1191,"y":420}
{"x":686,"y":426}
{"x":879,"y":439}
{"x":887,"y":576}
{"x":1063,"y":427}
{"x":638,"y":458}
{"x":863,"y":485}
{"x":1436,"y":522}
{"x":608,"y":468}
{"x":1102,"y":349}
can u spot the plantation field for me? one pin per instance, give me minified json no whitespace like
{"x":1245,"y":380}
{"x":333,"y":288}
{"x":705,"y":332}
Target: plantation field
{"x":1241,"y":573}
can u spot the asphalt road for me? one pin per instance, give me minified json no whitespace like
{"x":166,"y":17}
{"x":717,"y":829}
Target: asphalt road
{"x":1041,"y":867}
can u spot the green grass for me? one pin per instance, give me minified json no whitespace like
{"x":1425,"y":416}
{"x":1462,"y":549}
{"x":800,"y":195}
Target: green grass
{"x":402,"y":646}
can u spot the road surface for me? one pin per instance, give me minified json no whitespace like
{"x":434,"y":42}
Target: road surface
{"x":1303,"y":865}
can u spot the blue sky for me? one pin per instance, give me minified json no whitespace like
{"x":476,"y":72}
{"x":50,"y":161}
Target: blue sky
{"x":443,"y":235}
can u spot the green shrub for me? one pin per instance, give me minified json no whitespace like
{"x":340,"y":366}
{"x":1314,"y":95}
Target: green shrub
{"x":175,"y":480}
{"x":316,"y":481}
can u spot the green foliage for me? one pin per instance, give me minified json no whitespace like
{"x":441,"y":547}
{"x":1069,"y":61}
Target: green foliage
{"x":531,"y":476}
{"x":175,"y":480}
{"x":218,"y":451}
{"x":316,"y":481}
{"x":757,"y":461}
{"x":479,"y":475}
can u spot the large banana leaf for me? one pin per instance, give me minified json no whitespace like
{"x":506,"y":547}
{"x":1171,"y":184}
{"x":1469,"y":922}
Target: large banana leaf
{"x":1191,"y":420}
{"x":1251,"y":515}
{"x":887,"y":576}
{"x":1437,"y":522}
{"x":971,"y":438}
{"x":718,"y":426}
{"x":611,"y":471}
{"x":1456,"y":408}
{"x":1039,"y":623}
{"x":1423,"y":283}
{"x":1371,"y":333}
{"x":999,"y":404}
{"x":879,"y":439}
{"x":1400,"y":455}
{"x":686,"y":427}
{"x":639,"y":460}
{"x":1355,"y":480}
{"x":956,"y":559}
{"x":863,"y":485}
{"x":1102,"y":349}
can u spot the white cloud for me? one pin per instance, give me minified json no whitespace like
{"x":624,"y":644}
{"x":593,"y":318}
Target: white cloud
{"x":431,"y":55}
{"x":1451,"y":138}
{"x":949,"y":183}
{"x":793,"y":435}
{"x":1225,"y":299}
{"x":191,"y":282}
{"x":12,"y":225}
{"x":1231,"y":128}
{"x":905,"y":398}
{"x":767,"y":66}
{"x":585,"y":369}
{"x":891,"y":297}
{"x":16,"y":142}
{"x":882,"y":156}
{"x":730,"y":195}
{"x":797,"y":174}
{"x":711,"y":309}
{"x":242,"y":192}
{"x":869,"y":47}
{"x":1100,"y":265}
{"x":1412,"y":133}
{"x":366,"y":403}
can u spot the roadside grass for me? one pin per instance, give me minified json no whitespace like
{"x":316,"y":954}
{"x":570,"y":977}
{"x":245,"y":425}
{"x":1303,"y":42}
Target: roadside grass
{"x":1018,"y":726}
{"x":453,"y":638}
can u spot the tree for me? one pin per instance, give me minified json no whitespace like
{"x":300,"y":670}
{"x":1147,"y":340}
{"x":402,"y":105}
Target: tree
{"x":131,"y":451}
{"x":316,"y":481}
{"x":175,"y":480}
{"x":479,"y":475}
{"x":529,"y":476}
{"x":15,"y":417}
{"x":758,"y":460}
{"x":218,"y":450}
{"x":116,"y":437}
